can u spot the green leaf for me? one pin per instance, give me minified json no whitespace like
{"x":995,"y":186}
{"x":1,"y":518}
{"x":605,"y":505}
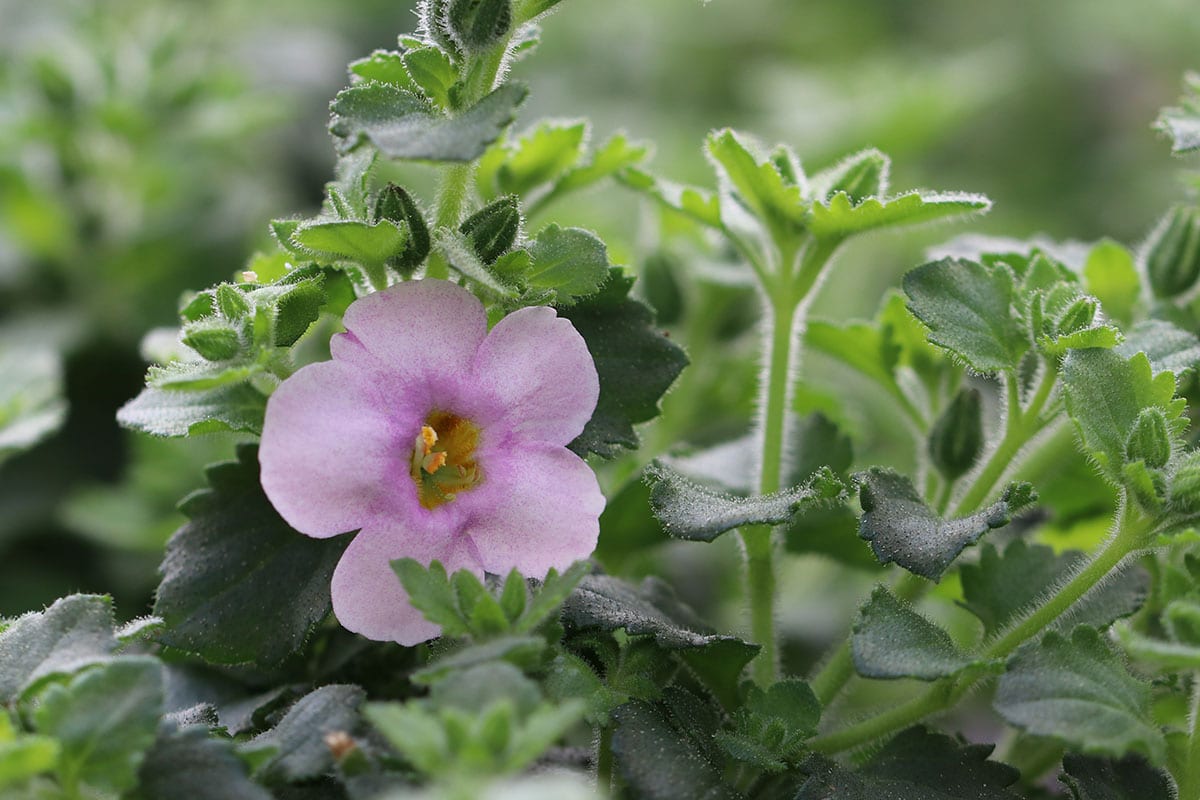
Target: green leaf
{"x":188,"y":762}
{"x":460,"y":253}
{"x":213,"y":339}
{"x":23,"y":756}
{"x":1170,"y":349}
{"x":523,"y":652}
{"x":236,"y":553}
{"x":32,"y":405}
{"x":770,"y":729}
{"x":635,"y":361}
{"x":384,"y":66}
{"x":609,"y":160}
{"x":430,"y":592}
{"x":901,"y":528}
{"x":1182,"y":122}
{"x":167,"y":412}
{"x":1077,"y":690}
{"x":918,"y":764}
{"x":664,"y":750}
{"x":1105,"y":393}
{"x":1130,"y":778}
{"x":757,"y":185}
{"x":999,"y":587}
{"x":104,"y":720}
{"x":541,"y":156}
{"x":700,"y":205}
{"x":549,"y":597}
{"x":73,"y":633}
{"x":1110,"y":275}
{"x":571,"y":262}
{"x":891,"y":640}
{"x":359,"y":242}
{"x":968,"y":309}
{"x":859,"y":176}
{"x":298,"y":739}
{"x":433,"y":73}
{"x":690,"y":511}
{"x":840,"y":217}
{"x":402,"y":125}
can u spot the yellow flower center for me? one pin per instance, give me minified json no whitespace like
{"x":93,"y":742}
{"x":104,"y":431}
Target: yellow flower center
{"x":443,"y":459}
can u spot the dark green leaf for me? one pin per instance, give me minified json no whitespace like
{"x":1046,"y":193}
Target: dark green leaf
{"x":299,"y":738}
{"x":1078,"y":690}
{"x":636,"y":364}
{"x":1000,"y":587}
{"x":402,"y":125}
{"x":104,"y":719}
{"x":968,"y":309}
{"x":459,"y":252}
{"x":73,"y":633}
{"x":235,"y":553}
{"x":1130,"y":778}
{"x":571,"y":262}
{"x":169,"y":412}
{"x":690,"y":511}
{"x":839,"y":218}
{"x":901,"y":528}
{"x":215,"y":340}
{"x":891,"y":640}
{"x":1170,"y":349}
{"x":918,"y":764}
{"x":771,"y":727}
{"x":188,"y":762}
{"x":1172,"y":253}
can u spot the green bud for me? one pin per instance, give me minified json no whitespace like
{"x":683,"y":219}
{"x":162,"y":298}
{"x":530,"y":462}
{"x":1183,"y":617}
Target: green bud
{"x":1149,"y":440}
{"x":476,"y":25}
{"x":957,"y":435}
{"x":1145,"y":484}
{"x":1181,"y":618}
{"x":1079,"y":315}
{"x":196,"y":306}
{"x":435,"y":14}
{"x":213,"y":339}
{"x":1173,"y":252}
{"x":397,"y":205}
{"x":232,"y":302}
{"x":1185,"y":485}
{"x":493,"y":229}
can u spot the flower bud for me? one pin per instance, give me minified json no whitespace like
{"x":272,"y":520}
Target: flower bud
{"x":231,"y":302}
{"x":395,"y":204}
{"x":493,"y":229}
{"x":478,"y":24}
{"x":1185,"y":485}
{"x":213,"y":339}
{"x":1149,"y":441}
{"x":957,"y":435}
{"x":1173,"y":252}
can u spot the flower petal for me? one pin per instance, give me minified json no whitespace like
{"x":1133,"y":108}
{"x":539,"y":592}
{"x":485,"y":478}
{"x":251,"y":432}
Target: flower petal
{"x":368,"y":597}
{"x":538,"y":507}
{"x":331,"y":449}
{"x":539,"y":369}
{"x":419,"y":329}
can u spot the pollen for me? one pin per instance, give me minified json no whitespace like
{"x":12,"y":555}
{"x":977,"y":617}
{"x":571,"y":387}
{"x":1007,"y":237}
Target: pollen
{"x":443,"y":458}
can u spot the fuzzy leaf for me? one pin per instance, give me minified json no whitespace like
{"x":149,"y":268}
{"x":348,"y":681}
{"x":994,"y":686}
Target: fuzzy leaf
{"x":383,"y":66}
{"x":104,"y":720}
{"x":699,"y":204}
{"x":1077,"y":690}
{"x":75,"y":632}
{"x":1160,"y":652}
{"x":237,"y":407}
{"x":299,"y":738}
{"x":433,"y":73}
{"x":839,"y":217}
{"x":347,"y":240}
{"x":571,"y":262}
{"x":22,"y":755}
{"x":901,"y":528}
{"x":540,"y":156}
{"x":1182,"y":122}
{"x":1110,"y":276}
{"x":690,"y":511}
{"x":235,"y":553}
{"x":1130,"y":778}
{"x":1105,"y":393}
{"x":861,"y":175}
{"x":188,"y":762}
{"x":771,"y":726}
{"x":968,"y":309}
{"x":402,"y":125}
{"x":759,"y":186}
{"x":1170,"y":349}
{"x":635,"y":361}
{"x":459,"y":251}
{"x":918,"y":764}
{"x":615,"y":155}
{"x":891,"y":640}
{"x":32,"y":405}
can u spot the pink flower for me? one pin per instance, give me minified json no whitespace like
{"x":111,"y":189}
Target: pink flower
{"x":436,"y":439}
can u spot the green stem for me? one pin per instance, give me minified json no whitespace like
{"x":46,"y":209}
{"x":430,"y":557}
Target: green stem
{"x":1129,"y":536}
{"x":1189,"y":777}
{"x":604,"y":760}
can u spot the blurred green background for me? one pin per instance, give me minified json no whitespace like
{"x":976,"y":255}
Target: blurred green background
{"x":145,"y":145}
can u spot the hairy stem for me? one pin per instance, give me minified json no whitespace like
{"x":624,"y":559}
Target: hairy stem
{"x":1188,"y":778}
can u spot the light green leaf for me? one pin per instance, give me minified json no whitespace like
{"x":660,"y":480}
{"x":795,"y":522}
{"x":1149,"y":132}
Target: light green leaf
{"x":23,"y":756}
{"x":699,"y":204}
{"x":696,"y":513}
{"x":32,"y":405}
{"x":968,"y":309}
{"x":757,"y":185}
{"x":1165,"y":654}
{"x":1182,"y":122}
{"x":615,"y":155}
{"x":165,"y":412}
{"x":1077,"y":690}
{"x":360,"y":242}
{"x":571,"y":262}
{"x":891,"y":640}
{"x":840,"y":217}
{"x":73,"y":633}
{"x":384,"y":66}
{"x":859,"y":176}
{"x":402,"y":125}
{"x":1109,"y":274}
{"x":541,"y":156}
{"x":104,"y":720}
{"x":433,"y":73}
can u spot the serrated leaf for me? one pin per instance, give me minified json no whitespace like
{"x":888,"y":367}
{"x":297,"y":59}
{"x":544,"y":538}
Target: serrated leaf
{"x":298,"y":738}
{"x":74,"y":632}
{"x":571,"y":262}
{"x":1103,"y":336}
{"x":1105,"y":392}
{"x":346,"y":240}
{"x":999,"y":587}
{"x":235,"y":553}
{"x":549,"y":597}
{"x":540,"y":156}
{"x":1110,"y":275}
{"x":699,"y":204}
{"x":636,"y":364}
{"x":840,"y":217}
{"x":433,"y":73}
{"x":901,"y":528}
{"x":772,"y":725}
{"x":608,"y":160}
{"x":918,"y":764}
{"x":402,"y":125}
{"x":1077,"y":690}
{"x":104,"y":720}
{"x":459,"y":252}
{"x":165,"y":412}
{"x":1182,"y":122}
{"x":861,"y":175}
{"x":384,"y":66}
{"x":1160,"y":652}
{"x":968,"y":309}
{"x":690,"y":511}
{"x":1130,"y":778}
{"x":188,"y":762}
{"x":1169,"y":348}
{"x":32,"y":402}
{"x":430,"y":592}
{"x":757,"y":185}
{"x":891,"y":640}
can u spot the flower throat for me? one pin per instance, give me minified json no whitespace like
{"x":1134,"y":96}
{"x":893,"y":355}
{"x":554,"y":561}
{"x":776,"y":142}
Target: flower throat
{"x":443,"y":459}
